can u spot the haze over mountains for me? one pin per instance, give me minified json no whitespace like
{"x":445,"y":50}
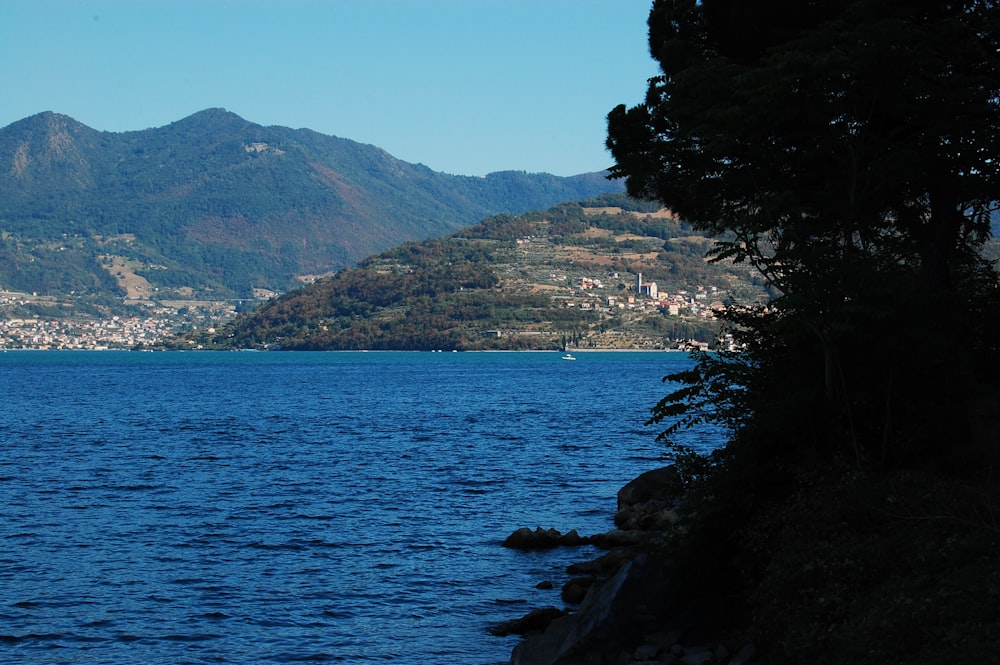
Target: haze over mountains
{"x":216,"y":206}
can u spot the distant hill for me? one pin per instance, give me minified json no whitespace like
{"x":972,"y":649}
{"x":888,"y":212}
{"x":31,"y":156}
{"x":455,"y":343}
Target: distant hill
{"x":542,"y":280}
{"x":214,"y":206}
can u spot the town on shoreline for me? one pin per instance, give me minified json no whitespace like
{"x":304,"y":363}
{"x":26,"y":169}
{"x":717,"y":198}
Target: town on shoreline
{"x":152,"y":332}
{"x":33,"y":322}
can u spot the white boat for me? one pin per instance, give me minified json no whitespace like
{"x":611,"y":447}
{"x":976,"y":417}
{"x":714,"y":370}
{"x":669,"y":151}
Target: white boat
{"x":568,"y":356}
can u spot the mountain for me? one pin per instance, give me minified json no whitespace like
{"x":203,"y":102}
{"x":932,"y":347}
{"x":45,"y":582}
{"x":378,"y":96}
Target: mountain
{"x":542,"y":280}
{"x":214,"y":206}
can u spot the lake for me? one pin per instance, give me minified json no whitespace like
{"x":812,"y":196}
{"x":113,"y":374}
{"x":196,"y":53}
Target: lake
{"x":238,"y":507}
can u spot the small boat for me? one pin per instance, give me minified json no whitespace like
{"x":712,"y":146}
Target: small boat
{"x":568,"y":356}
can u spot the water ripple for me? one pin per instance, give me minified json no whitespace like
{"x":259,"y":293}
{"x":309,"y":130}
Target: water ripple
{"x":201,"y":508}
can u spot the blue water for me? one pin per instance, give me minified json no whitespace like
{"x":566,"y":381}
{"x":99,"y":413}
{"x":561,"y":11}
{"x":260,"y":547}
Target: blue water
{"x":278,"y":507}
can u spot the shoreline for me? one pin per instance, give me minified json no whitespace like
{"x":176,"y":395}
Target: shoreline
{"x":629,"y":604}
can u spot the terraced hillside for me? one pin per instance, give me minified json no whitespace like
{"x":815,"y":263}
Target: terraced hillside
{"x":566,"y":277}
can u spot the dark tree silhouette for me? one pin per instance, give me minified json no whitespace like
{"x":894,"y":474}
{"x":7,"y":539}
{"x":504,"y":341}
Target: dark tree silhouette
{"x":850,"y":151}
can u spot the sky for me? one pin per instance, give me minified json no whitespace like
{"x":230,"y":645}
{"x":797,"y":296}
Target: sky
{"x":467,"y":87}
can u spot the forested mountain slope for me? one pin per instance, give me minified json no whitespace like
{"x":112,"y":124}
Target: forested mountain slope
{"x":215,"y":206}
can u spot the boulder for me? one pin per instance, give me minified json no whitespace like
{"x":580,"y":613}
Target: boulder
{"x":663,"y":484}
{"x":606,"y":620}
{"x":542,"y":539}
{"x":616,"y":538}
{"x":534,"y":621}
{"x":654,"y":515}
{"x":575,"y":590}
{"x":603,"y":566}
{"x":697,"y":656}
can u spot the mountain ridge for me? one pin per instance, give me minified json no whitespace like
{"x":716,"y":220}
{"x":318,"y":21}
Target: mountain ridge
{"x":214,"y":204}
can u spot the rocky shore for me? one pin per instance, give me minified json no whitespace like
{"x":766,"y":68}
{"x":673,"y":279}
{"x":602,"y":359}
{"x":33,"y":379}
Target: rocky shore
{"x":630,"y":605}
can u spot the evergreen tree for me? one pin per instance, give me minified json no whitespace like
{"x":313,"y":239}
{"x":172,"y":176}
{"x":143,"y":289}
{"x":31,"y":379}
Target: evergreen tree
{"x":849,"y":150}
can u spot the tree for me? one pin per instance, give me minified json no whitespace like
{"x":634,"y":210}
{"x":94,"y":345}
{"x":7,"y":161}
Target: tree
{"x":850,"y":151}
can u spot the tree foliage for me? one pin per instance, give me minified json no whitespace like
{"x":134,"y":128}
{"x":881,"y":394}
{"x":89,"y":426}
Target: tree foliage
{"x":849,"y":151}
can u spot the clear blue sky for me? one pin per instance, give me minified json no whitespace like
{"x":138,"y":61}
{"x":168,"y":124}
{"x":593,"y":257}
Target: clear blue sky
{"x":464,"y":86}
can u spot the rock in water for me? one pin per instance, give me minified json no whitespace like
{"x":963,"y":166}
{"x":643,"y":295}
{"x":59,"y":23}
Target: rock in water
{"x":650,"y":502}
{"x":657,"y":485}
{"x":534,"y":621}
{"x":540,"y":539}
{"x":607,"y":618}
{"x":575,"y":590}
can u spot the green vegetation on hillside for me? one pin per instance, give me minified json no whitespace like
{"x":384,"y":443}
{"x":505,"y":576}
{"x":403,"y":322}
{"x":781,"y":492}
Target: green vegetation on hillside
{"x":214,"y":206}
{"x":542,"y":280}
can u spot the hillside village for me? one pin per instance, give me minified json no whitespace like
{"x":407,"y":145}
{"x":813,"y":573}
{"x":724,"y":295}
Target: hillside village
{"x":612,"y":299}
{"x":703,"y":303}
